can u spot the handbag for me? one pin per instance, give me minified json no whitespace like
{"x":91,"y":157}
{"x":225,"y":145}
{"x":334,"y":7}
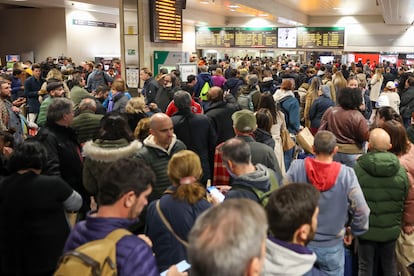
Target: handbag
{"x":305,"y":139}
{"x":287,"y":142}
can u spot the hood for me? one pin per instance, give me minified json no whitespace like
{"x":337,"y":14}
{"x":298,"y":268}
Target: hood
{"x":110,"y":150}
{"x":233,"y":82}
{"x":118,"y":96}
{"x":205,"y":76}
{"x":149,"y":142}
{"x":259,"y":179}
{"x":322,"y":175}
{"x":261,"y":135}
{"x":281,"y":94}
{"x":287,"y":259}
{"x":380,"y":164}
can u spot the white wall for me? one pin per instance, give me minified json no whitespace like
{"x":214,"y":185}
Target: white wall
{"x":42,"y":31}
{"x":87,"y":42}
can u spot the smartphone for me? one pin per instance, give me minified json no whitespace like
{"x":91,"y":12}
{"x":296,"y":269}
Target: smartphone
{"x":182,"y":266}
{"x":216,"y":193}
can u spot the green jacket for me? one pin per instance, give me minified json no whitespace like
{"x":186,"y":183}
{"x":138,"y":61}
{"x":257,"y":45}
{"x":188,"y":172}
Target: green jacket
{"x":157,"y":158}
{"x":384,"y":183}
{"x":42,"y":116}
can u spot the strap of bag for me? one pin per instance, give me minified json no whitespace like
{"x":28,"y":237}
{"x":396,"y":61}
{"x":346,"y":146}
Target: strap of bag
{"x":118,"y":234}
{"x":168,"y":225}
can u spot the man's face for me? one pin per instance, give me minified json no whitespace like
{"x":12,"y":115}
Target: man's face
{"x":36,"y":73}
{"x":140,"y":202}
{"x":5,"y":91}
{"x":163,"y":132}
{"x":58,"y":92}
{"x":144,"y":76}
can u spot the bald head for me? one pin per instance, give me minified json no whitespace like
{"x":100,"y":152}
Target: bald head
{"x":157,"y":119}
{"x":215,"y":94}
{"x":379,"y":140}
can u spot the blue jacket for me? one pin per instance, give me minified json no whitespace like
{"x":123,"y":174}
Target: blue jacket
{"x":181,"y":215}
{"x":290,"y":107}
{"x":337,"y":201}
{"x":319,"y":106}
{"x":31,"y":89}
{"x":133,"y":255}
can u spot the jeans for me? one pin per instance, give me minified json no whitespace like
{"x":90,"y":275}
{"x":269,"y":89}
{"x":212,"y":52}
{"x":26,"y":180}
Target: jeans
{"x":288,"y":157}
{"x":371,"y":254}
{"x":347,"y":159}
{"x":330,"y":260}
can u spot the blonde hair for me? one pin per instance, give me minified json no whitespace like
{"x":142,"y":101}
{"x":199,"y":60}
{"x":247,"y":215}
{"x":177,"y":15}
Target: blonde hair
{"x":54,"y":74}
{"x":186,"y":165}
{"x":135,"y":105}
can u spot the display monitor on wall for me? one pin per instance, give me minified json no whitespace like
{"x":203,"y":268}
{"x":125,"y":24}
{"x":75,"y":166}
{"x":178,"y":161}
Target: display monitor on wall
{"x":286,"y":37}
{"x":326,"y":59}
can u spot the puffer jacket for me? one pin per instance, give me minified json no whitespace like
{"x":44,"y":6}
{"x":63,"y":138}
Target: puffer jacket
{"x":407,"y":161}
{"x":384,"y":183}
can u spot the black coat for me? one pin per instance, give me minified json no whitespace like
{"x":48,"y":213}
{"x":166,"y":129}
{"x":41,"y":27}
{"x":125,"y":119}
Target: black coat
{"x":64,"y":157}
{"x":220,"y":114}
{"x":198,"y":134}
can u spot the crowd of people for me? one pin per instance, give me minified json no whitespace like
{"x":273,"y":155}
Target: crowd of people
{"x":81,"y":157}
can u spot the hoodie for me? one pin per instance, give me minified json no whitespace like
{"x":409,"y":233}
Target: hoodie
{"x":259,"y":179}
{"x":322,"y":175}
{"x":233,"y":85}
{"x":336,"y":203}
{"x":287,"y":259}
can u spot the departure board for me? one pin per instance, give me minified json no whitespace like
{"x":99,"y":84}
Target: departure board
{"x":255,"y":37}
{"x":214,"y":37}
{"x":320,"y":37}
{"x":166,"y":20}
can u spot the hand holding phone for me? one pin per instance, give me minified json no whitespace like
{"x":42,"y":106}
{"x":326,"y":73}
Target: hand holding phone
{"x":178,"y":269}
{"x":215,"y":193}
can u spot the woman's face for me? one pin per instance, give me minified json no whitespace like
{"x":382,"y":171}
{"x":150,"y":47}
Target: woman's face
{"x":353,"y":84}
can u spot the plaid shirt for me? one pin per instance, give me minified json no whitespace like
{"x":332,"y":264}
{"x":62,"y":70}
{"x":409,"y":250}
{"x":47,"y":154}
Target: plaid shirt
{"x":221,"y":176}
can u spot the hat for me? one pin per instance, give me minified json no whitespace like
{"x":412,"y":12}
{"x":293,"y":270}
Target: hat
{"x":244,"y":120}
{"x":390,"y":85}
{"x":53,"y":85}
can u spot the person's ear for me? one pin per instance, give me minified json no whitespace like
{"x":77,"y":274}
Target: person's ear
{"x":335,"y":150}
{"x":389,"y":146}
{"x":129,"y":199}
{"x":255,"y":267}
{"x":303,"y":232}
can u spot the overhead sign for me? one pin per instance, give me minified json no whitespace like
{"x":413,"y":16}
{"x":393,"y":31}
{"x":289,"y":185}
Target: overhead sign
{"x":321,"y":37}
{"x":93,"y":23}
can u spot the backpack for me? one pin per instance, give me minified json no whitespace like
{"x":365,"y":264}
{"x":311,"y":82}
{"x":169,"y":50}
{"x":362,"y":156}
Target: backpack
{"x":94,"y":258}
{"x":262,"y":197}
{"x":204,"y":91}
{"x":245,"y":101}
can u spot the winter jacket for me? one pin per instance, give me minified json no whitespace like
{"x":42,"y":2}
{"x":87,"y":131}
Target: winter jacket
{"x":407,"y":161}
{"x":349,"y":127}
{"x":259,"y":179}
{"x":318,"y":108}
{"x":340,"y":196}
{"x":198,"y":135}
{"x":220,"y":114}
{"x":157,"y":158}
{"x":78,"y":93}
{"x":264,"y":137}
{"x":407,"y":103}
{"x":86,"y":125}
{"x":233,"y":84}
{"x":181,"y":215}
{"x":384,"y":183}
{"x":164,"y":96}
{"x":133,"y":255}
{"x":99,"y":154}
{"x":202,"y":78}
{"x":150,"y":90}
{"x":31,"y":90}
{"x":289,"y":105}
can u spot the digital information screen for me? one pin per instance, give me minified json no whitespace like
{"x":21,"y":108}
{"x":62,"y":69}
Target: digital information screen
{"x":320,"y":37}
{"x":271,"y":37}
{"x":236,"y":37}
{"x":214,"y":37}
{"x":166,"y":21}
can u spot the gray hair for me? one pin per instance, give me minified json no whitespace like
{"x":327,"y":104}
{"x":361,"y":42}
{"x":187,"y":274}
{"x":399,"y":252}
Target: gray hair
{"x":87,"y":103}
{"x":325,"y":142}
{"x":252,"y":80}
{"x":57,"y":108}
{"x":225,"y":238}
{"x":182,"y":99}
{"x":236,"y":150}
